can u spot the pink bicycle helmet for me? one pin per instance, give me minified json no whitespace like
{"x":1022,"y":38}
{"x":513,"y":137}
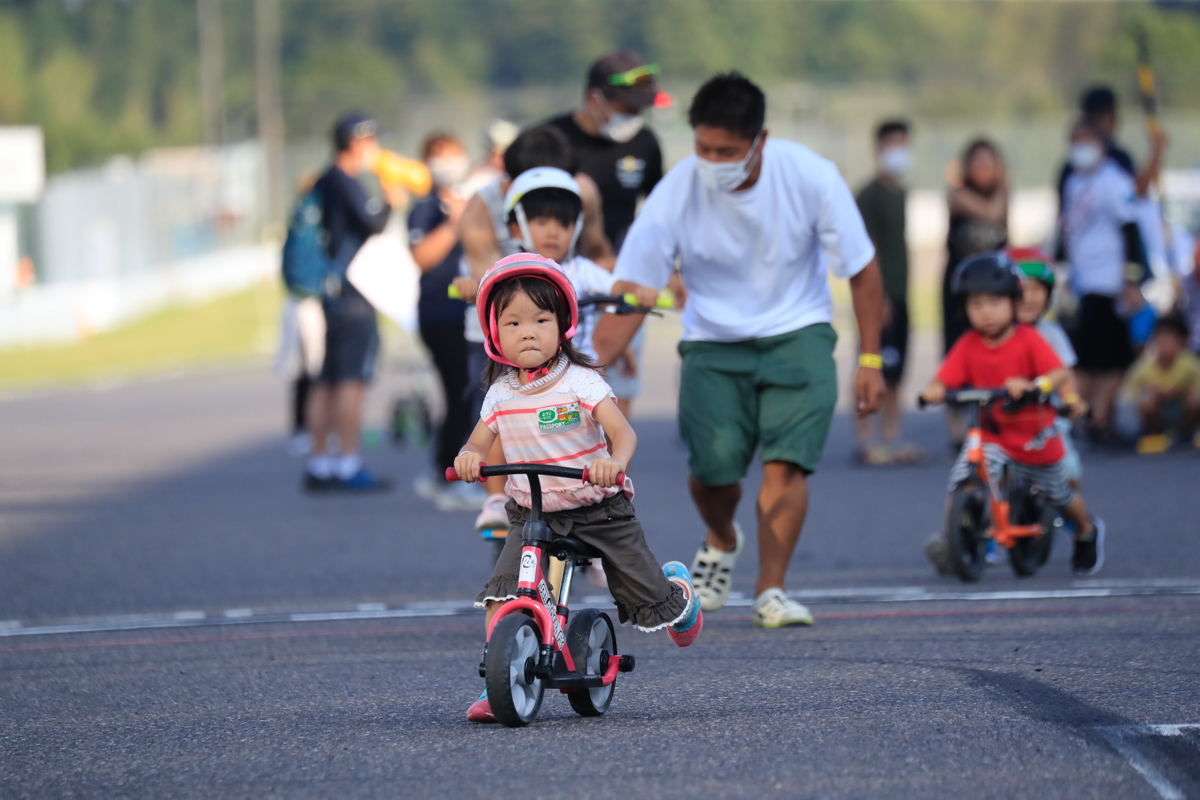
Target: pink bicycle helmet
{"x":521,"y":265}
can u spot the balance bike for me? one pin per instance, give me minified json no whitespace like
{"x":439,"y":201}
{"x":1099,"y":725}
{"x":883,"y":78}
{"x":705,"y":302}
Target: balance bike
{"x":527,"y":650}
{"x":1013,"y":514}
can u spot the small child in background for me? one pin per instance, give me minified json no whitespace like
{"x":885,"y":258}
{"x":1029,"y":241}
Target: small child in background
{"x":998,"y":351}
{"x":1036,"y":290}
{"x":1165,"y":384}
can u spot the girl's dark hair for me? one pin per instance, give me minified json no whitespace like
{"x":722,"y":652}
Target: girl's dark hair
{"x":561,"y":204}
{"x":546,"y":297}
{"x":976,"y":147}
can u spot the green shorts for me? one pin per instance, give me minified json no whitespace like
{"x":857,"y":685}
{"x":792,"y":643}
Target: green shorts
{"x":775,"y":394}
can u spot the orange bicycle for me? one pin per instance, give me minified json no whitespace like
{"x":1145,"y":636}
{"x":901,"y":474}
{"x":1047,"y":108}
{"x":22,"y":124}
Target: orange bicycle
{"x":1011,"y":513}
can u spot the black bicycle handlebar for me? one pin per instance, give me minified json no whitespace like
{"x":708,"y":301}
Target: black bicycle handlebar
{"x":958,"y":397}
{"x":530,"y":469}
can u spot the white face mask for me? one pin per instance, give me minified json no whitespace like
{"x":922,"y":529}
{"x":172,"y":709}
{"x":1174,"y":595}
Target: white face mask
{"x":449,"y":170}
{"x":619,"y":127}
{"x":895,"y":160}
{"x":1085,"y":156}
{"x":726,"y":176}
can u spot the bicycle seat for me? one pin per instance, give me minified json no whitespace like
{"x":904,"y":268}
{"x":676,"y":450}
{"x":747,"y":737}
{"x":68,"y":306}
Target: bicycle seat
{"x":568,"y":548}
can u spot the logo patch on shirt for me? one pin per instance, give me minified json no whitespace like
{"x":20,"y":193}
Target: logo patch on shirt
{"x":630,"y":171}
{"x":557,"y":419}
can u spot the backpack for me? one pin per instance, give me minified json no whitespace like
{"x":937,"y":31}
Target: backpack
{"x":305,"y":262}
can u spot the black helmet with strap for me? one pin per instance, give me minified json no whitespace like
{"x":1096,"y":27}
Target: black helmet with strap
{"x":987,"y":273}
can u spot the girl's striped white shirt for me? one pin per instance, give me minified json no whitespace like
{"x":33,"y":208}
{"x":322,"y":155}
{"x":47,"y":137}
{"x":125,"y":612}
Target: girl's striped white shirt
{"x":556,"y":425}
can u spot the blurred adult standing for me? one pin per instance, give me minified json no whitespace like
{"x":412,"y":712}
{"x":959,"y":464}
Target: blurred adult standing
{"x":978,"y":223}
{"x":617,"y":151}
{"x":433,"y":235}
{"x":348,"y":216}
{"x":1098,"y":106}
{"x":1101,"y":241}
{"x":881,"y":203}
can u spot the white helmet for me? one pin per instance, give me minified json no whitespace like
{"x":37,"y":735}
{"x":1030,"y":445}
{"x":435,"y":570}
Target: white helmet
{"x":541,"y":178}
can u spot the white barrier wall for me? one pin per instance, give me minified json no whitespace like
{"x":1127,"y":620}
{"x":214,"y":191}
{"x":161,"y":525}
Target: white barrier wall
{"x":71,"y":310}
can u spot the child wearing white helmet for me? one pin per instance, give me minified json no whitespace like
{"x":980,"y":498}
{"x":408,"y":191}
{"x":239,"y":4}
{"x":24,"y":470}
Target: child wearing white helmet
{"x":548,"y":404}
{"x":545,"y":214}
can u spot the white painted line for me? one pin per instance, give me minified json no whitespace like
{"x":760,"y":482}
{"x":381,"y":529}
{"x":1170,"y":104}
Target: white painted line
{"x":1119,"y":735}
{"x":446,"y":608}
{"x":395,"y":613}
{"x":372,"y":607}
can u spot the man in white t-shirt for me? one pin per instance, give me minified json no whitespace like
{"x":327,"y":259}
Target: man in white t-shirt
{"x":756,"y":225}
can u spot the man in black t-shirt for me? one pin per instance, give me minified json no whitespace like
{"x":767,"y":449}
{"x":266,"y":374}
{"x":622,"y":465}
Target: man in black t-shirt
{"x":616,"y":151}
{"x":348,"y":216}
{"x":613,"y":147}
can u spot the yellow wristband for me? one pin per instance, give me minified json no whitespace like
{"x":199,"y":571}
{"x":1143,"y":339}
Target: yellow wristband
{"x":1044,"y":384}
{"x":1071,"y":399}
{"x":871,"y":361}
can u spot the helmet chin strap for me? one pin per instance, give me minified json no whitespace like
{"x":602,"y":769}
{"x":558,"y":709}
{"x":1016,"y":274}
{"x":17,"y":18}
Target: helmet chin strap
{"x":527,"y":237}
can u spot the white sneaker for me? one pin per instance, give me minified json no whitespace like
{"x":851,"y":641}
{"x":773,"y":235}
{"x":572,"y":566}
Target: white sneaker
{"x":712,"y":572}
{"x":493,"y":514}
{"x":774,"y":609}
{"x":428,"y":487}
{"x":461,"y":497}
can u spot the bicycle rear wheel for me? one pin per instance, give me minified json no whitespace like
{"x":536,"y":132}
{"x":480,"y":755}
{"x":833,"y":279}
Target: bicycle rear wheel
{"x":967,"y":529}
{"x":589,"y":636}
{"x":1028,"y":554}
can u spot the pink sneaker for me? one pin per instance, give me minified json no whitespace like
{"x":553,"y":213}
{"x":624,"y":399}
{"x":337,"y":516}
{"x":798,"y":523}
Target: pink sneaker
{"x":481,"y":710}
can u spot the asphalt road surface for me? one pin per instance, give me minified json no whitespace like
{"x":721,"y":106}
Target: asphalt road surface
{"x":177,"y":620}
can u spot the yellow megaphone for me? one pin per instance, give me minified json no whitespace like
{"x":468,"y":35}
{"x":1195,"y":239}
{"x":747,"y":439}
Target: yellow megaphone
{"x":394,"y":170}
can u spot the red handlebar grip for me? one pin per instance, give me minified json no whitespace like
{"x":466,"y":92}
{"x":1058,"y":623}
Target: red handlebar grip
{"x":620,"y":477}
{"x":452,"y":473}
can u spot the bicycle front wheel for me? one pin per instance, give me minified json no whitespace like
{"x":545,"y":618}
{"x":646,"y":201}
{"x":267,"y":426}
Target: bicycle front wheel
{"x":514,"y":692}
{"x":967,"y":530}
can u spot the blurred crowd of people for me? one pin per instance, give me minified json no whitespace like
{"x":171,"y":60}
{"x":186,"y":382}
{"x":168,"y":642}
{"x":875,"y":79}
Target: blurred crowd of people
{"x":1111,"y":250}
{"x":1101,"y":262}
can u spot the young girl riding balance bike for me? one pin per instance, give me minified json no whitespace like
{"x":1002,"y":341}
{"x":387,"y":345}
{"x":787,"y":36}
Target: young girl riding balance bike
{"x":548,"y":405}
{"x":998,"y":351}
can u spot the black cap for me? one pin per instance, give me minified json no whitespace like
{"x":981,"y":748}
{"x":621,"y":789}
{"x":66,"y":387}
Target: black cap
{"x":353,"y":126}
{"x":1097,"y":101}
{"x":637,"y":94}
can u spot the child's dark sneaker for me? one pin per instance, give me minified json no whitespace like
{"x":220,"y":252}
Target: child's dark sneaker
{"x":1089,"y":552}
{"x":937,"y":550}
{"x":481,"y":710}
{"x":688,"y":628}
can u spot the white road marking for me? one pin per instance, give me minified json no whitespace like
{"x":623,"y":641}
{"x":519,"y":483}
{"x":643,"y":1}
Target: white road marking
{"x":371,"y":607}
{"x":1119,"y":737}
{"x":447,"y":608}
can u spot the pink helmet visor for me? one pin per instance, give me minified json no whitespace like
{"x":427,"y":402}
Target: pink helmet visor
{"x":521,"y":265}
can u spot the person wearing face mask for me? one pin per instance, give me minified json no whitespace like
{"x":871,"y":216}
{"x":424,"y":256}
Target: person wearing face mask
{"x":433,"y":236}
{"x":757,"y":224}
{"x":613,"y":146}
{"x":881,"y":203}
{"x":1100,"y":238}
{"x":623,"y":157}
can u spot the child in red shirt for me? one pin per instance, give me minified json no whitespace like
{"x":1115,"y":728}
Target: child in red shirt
{"x":998,"y":352}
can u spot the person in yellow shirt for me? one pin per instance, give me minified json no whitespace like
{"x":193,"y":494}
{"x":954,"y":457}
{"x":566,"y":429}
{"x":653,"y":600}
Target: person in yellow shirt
{"x":1166,"y":387}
